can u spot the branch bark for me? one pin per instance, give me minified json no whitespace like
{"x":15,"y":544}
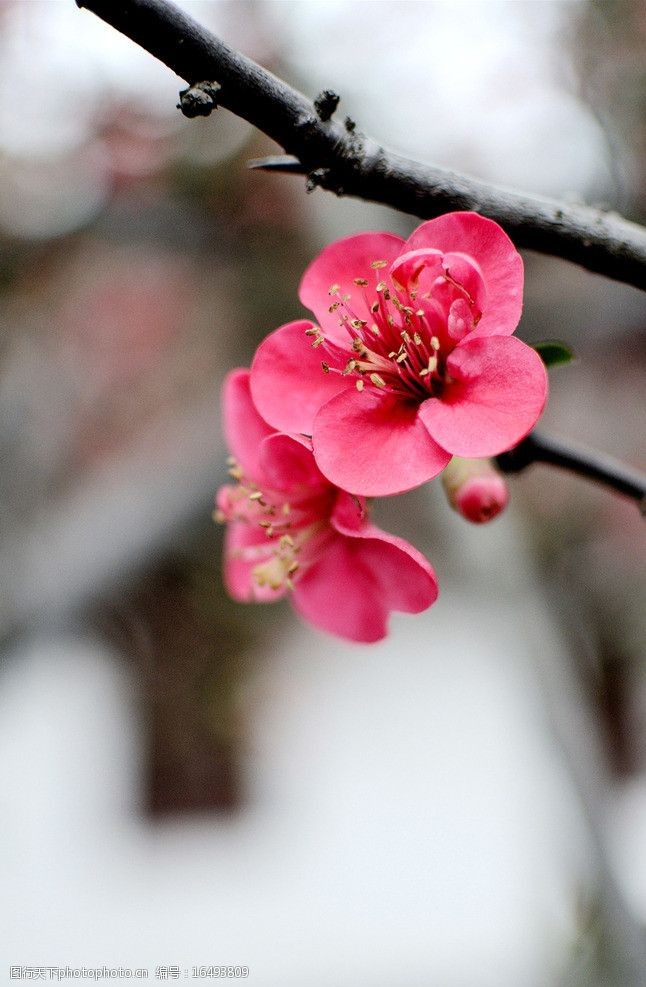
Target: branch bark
{"x":593,"y":465}
{"x":338,"y":158}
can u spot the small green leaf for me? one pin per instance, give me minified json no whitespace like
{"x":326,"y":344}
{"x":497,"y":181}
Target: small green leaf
{"x":553,"y":352}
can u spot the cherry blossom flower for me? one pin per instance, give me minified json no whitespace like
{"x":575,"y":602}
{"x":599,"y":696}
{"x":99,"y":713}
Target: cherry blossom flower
{"x":475,"y":489}
{"x":290,"y":531}
{"x":412,"y":359}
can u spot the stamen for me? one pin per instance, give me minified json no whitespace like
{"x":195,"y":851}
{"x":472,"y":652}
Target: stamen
{"x":360,"y":281}
{"x":378,"y":264}
{"x":359,"y":385}
{"x":377,"y":380}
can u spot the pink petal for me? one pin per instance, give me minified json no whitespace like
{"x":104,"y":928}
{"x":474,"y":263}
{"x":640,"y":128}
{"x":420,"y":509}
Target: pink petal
{"x":492,"y":250}
{"x":418,"y":269}
{"x":288,"y":383}
{"x":338,"y":264}
{"x":245,"y":547}
{"x":288,"y":465}
{"x":243,"y":427}
{"x":357,"y":581}
{"x":498,"y":392}
{"x":373,"y":444}
{"x":407,"y":579}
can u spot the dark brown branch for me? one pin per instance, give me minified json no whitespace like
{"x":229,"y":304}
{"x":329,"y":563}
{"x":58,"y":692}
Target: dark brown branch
{"x":540,"y":448}
{"x":338,"y":158}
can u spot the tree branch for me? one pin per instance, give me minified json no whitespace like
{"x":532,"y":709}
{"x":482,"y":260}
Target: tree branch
{"x":540,"y":448}
{"x":339,"y":159}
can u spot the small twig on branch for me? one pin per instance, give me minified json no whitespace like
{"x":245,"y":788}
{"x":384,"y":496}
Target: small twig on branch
{"x":336,"y":157}
{"x":540,"y":448}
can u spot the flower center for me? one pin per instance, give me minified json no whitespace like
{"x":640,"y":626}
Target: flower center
{"x":288,"y":528}
{"x":414,"y":320}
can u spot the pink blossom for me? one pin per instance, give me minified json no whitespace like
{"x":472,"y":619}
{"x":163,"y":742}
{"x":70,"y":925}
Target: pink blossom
{"x":291,"y":531}
{"x":412,"y":359}
{"x":475,"y":489}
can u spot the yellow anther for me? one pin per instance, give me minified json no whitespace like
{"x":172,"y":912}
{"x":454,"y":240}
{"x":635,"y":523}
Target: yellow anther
{"x":382,"y":286}
{"x":334,"y":288}
{"x":419,"y":313}
{"x":359,"y":385}
{"x":378,"y":264}
{"x":360,"y":281}
{"x":435,"y":343}
{"x":349,"y":367}
{"x":374,"y":307}
{"x":325,"y":367}
{"x":256,"y":495}
{"x":312,"y":332}
{"x":377,"y":380}
{"x":333,"y":307}
{"x":318,"y":341}
{"x":402,"y":357}
{"x":358,"y":323}
{"x":375,"y":329}
{"x":417,"y":339}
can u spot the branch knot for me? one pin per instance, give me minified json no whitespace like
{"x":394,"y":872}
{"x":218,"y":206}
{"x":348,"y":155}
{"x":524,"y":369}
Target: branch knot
{"x":199,"y":100}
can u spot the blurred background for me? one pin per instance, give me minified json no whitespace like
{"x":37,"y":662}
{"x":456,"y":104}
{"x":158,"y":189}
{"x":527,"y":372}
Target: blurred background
{"x":185,"y":781}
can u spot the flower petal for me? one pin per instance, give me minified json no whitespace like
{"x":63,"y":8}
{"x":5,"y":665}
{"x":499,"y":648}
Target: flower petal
{"x":243,"y":427}
{"x":498,"y":391}
{"x":408,"y":581}
{"x":374,"y":444}
{"x":288,"y":465}
{"x":288,"y":383}
{"x":357,"y":581}
{"x":245,"y":547}
{"x":492,"y":250}
{"x":339,"y":264}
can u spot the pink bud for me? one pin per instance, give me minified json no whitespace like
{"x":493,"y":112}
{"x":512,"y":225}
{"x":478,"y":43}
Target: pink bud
{"x":475,"y":489}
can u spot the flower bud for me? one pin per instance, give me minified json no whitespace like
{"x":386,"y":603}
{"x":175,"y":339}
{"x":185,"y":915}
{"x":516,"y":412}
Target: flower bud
{"x":475,"y":489}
